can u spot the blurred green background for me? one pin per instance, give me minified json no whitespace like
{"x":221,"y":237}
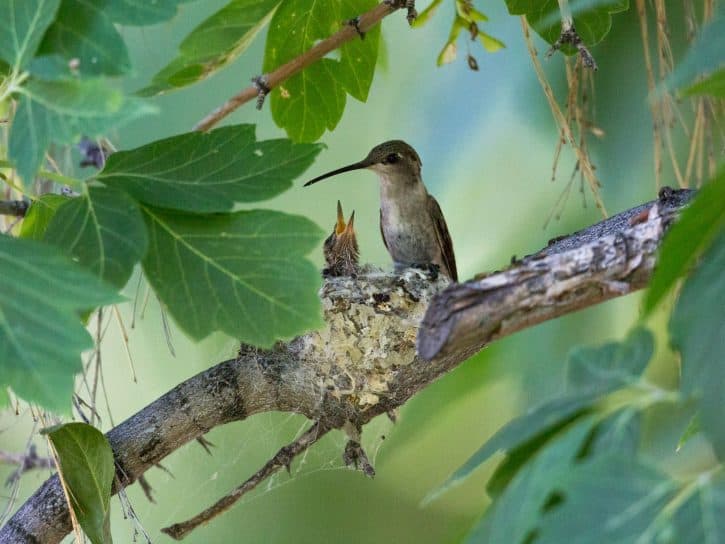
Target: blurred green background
{"x":487,"y":141}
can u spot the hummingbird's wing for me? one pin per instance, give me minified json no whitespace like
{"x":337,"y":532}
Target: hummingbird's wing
{"x":443,"y":237}
{"x":382,"y":232}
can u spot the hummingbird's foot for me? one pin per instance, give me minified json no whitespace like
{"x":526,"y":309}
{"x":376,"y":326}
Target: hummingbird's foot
{"x":409,"y":5}
{"x":355,"y":455}
{"x":432,"y":269}
{"x":262,"y":85}
{"x":355,"y":23}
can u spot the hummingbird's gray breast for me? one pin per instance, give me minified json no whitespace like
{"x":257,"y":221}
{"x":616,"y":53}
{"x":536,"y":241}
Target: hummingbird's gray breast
{"x":408,"y":230}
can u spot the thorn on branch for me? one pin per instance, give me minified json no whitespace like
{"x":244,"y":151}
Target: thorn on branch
{"x":354,"y":454}
{"x":409,"y":5}
{"x":262,"y":85}
{"x":355,"y":23}
{"x":206,"y":444}
{"x":146,"y":488}
{"x":570,"y":36}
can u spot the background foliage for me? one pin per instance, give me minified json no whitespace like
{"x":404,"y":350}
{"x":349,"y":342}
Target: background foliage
{"x":179,"y":204}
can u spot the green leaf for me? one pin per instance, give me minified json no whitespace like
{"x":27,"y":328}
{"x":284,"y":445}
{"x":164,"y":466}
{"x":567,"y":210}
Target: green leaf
{"x":208,"y":172}
{"x":688,"y":238}
{"x":42,"y":294}
{"x":713,"y":86}
{"x":697,"y":330}
{"x":540,"y":420}
{"x":102,"y":230}
{"x":61,"y":112}
{"x":592,"y":18}
{"x":22,"y":25}
{"x":611,"y":366}
{"x":85,"y":460}
{"x":426,"y":15}
{"x":39,"y":215}
{"x":314,"y":100}
{"x":142,"y":12}
{"x":214,"y":44}
{"x":705,"y":55}
{"x":242,"y":273}
{"x":516,"y":512}
{"x":83,"y":35}
{"x":613,"y":499}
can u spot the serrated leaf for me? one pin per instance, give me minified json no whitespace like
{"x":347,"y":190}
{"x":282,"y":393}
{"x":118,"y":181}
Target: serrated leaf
{"x":314,"y":100}
{"x":214,"y":44}
{"x":697,"y":330}
{"x":241,"y":273}
{"x":515,"y":513}
{"x":705,"y":55}
{"x":142,"y":12}
{"x":22,"y":25}
{"x":537,"y":421}
{"x":611,"y":366}
{"x":592,"y":18}
{"x":613,"y":499}
{"x":687,"y":239}
{"x":208,"y":172}
{"x":42,"y":293}
{"x":102,"y":230}
{"x":84,"y":36}
{"x":85,"y":460}
{"x":39,"y":215}
{"x":61,"y":112}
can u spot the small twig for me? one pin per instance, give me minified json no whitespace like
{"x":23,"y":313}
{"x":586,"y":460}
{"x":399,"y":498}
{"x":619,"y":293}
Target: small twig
{"x":282,"y":459}
{"x":318,"y":51}
{"x":354,"y":454}
{"x":18,"y":208}
{"x":25,"y":461}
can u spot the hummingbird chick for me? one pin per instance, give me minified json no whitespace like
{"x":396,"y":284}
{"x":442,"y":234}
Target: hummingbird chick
{"x":411,"y":221}
{"x":340,"y":249}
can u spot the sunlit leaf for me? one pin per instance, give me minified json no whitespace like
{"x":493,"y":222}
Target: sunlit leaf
{"x":42,"y":294}
{"x":142,"y":12}
{"x":86,"y":463}
{"x":103,"y":230}
{"x":713,"y":85}
{"x":592,"y":18}
{"x":688,"y":238}
{"x":697,"y":330}
{"x":516,"y":512}
{"x":426,"y":15}
{"x":310,"y":102}
{"x":22,"y":25}
{"x":84,"y":36}
{"x":214,"y":44}
{"x":208,"y":172}
{"x":61,"y":112}
{"x":242,"y":273}
{"x":39,"y":215}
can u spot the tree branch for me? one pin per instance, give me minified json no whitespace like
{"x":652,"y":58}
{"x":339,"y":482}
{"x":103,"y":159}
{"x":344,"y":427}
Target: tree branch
{"x":13,"y":207}
{"x":364,"y":362}
{"x":348,"y":32}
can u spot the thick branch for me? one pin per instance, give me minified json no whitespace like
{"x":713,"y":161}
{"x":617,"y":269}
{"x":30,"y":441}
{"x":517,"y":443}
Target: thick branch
{"x":348,"y":32}
{"x":364,"y":363}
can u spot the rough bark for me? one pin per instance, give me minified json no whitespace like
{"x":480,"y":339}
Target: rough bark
{"x":364,"y":362}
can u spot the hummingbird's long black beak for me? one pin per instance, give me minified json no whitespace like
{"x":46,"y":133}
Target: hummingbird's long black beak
{"x":350,"y":167}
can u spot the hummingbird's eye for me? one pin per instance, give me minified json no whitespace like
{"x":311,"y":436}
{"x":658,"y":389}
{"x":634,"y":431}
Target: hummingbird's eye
{"x":392,"y":158}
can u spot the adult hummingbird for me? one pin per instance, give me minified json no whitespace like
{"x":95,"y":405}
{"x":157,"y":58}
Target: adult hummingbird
{"x":411,"y":221}
{"x":340,"y":248}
